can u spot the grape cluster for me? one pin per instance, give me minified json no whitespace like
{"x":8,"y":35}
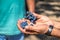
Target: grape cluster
{"x":30,"y":17}
{"x":23,"y":24}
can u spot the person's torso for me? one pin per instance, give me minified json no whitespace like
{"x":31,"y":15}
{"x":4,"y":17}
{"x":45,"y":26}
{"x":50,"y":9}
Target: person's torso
{"x":10,"y":12}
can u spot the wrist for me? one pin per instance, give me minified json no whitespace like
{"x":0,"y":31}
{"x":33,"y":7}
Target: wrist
{"x":49,"y":30}
{"x":55,"y":32}
{"x":31,"y":11}
{"x":46,"y":29}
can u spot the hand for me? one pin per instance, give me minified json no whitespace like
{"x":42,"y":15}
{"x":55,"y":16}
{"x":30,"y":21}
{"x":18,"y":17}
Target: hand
{"x":43,"y":19}
{"x":24,"y":30}
{"x":37,"y":28}
{"x":42,"y":22}
{"x":46,"y":20}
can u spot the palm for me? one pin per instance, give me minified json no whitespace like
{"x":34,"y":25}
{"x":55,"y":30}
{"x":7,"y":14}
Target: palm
{"x":43,"y":19}
{"x":39,"y":27}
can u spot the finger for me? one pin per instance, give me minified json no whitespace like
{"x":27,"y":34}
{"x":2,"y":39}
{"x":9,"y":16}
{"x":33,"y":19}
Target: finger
{"x":40,"y":16}
{"x":23,"y":30}
{"x":18,"y":24}
{"x":49,"y":22}
{"x":28,"y":21}
{"x":32,"y":28}
{"x":19,"y":21}
{"x":29,"y":32}
{"x":20,"y":28}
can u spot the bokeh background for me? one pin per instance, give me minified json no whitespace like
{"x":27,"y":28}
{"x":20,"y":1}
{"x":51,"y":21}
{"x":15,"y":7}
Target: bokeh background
{"x":50,"y":8}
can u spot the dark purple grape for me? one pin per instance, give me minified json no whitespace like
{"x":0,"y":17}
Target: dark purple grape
{"x":23,"y":24}
{"x":31,"y":17}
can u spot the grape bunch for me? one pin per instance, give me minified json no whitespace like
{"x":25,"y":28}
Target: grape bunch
{"x":23,"y":24}
{"x":30,"y":17}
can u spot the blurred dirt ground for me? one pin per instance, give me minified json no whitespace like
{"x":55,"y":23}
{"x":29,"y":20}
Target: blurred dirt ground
{"x":51,"y":9}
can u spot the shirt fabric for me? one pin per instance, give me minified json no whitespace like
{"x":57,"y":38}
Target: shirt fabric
{"x":10,"y":12}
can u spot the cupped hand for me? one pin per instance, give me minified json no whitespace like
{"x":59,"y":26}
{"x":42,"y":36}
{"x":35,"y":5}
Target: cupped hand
{"x":40,"y":27}
{"x":25,"y":30}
